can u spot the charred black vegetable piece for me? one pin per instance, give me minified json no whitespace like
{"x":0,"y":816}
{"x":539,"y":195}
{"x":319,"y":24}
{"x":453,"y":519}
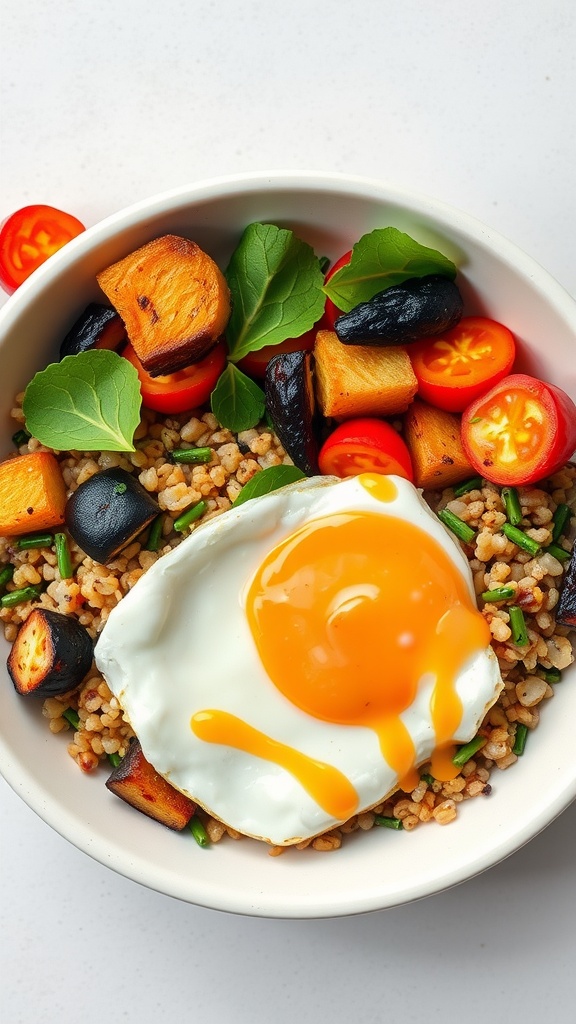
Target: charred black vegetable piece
{"x":290,"y":404}
{"x":420,"y":308}
{"x":107,"y":511}
{"x":98,"y":327}
{"x":51,"y":654}
{"x":566,"y":611}
{"x":139,"y":784}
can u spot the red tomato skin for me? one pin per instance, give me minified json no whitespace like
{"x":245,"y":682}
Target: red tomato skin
{"x":559,"y":442}
{"x":255,"y":363}
{"x":180,"y":391}
{"x":42,"y":227}
{"x":455,"y":397}
{"x":331,"y":312}
{"x":365,"y":438}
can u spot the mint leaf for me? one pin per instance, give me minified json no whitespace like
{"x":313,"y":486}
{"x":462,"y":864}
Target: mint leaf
{"x":275,"y":282}
{"x":237,"y":402}
{"x":380,"y":259}
{"x":88,"y":402}
{"x":269,"y":480}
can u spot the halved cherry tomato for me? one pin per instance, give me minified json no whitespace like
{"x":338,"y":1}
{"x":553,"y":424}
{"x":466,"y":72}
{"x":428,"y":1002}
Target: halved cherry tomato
{"x":521,"y":431}
{"x":331,"y":312}
{"x":255,"y":363}
{"x":29,"y":237}
{"x":456,"y":367}
{"x":185,"y":389}
{"x":365,"y":446}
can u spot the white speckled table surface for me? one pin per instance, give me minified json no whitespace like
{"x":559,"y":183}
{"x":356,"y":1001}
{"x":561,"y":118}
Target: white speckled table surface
{"x":103,"y":104}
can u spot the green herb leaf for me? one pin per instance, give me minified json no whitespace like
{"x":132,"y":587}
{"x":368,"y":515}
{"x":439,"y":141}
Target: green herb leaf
{"x":269,"y":480}
{"x":383,"y":258}
{"x":275,"y":282}
{"x":88,"y":402}
{"x":237,"y":402}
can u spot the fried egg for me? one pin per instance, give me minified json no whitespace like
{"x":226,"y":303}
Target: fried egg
{"x":298,"y":658}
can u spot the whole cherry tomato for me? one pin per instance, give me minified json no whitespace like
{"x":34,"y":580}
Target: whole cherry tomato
{"x":28,"y":237}
{"x":183,"y":390}
{"x":365,"y":446}
{"x":255,"y":363}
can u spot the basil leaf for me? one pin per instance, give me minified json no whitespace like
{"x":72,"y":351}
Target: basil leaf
{"x":269,"y":480}
{"x":237,"y":402}
{"x":89,"y":401}
{"x":383,"y":258}
{"x":275,"y":282}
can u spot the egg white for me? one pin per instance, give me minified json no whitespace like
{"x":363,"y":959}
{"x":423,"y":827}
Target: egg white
{"x":179,"y":643}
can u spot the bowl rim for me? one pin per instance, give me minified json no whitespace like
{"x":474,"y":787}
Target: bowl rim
{"x":19,"y":777}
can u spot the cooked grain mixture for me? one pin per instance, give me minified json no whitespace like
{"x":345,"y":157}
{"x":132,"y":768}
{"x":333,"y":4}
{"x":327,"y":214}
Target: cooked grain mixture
{"x":529,"y":671}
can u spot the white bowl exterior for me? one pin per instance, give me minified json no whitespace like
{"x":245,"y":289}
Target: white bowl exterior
{"x":374,"y":870}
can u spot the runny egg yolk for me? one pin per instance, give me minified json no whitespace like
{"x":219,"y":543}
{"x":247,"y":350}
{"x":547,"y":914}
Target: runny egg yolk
{"x":350,"y":614}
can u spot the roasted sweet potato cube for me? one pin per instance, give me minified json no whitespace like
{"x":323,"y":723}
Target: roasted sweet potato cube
{"x":139,"y":784}
{"x":173,"y":299}
{"x":433,"y":438}
{"x":360,"y":380}
{"x":32,"y":494}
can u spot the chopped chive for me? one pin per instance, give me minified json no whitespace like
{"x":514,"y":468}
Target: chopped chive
{"x":427,"y":778}
{"x":499,"y":594}
{"x":19,"y":596}
{"x":519,"y":538}
{"x":324,"y":263}
{"x":190,"y":516}
{"x":560,"y":520}
{"x":551,"y":675}
{"x":20,"y":437}
{"x":385,"y":822}
{"x":63,"y":556}
{"x":198,"y":831}
{"x":512,"y":505}
{"x":35,"y":540}
{"x":114,"y":759}
{"x":558,"y":552}
{"x":71,"y":716}
{"x":463,"y":754}
{"x":155,"y":535}
{"x":518,"y":626}
{"x":473,"y":484}
{"x":475,"y":419}
{"x":191,"y":454}
{"x":6,"y":575}
{"x":520,"y":739}
{"x":464,"y":532}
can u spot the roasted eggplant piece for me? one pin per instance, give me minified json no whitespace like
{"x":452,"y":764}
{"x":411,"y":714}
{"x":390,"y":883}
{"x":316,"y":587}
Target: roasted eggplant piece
{"x":107,"y":511}
{"x":51,"y":654}
{"x":139,"y":784}
{"x":291,"y":406}
{"x":422,"y":307}
{"x":566,"y":611}
{"x":98,"y":327}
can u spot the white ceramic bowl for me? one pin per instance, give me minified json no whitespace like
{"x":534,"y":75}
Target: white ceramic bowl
{"x":372,"y":870}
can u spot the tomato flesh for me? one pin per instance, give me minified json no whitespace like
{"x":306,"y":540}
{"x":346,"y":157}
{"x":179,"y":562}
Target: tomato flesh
{"x":183,"y":390}
{"x":29,"y":237}
{"x":521,"y":431}
{"x":365,"y":446}
{"x":463,"y":363}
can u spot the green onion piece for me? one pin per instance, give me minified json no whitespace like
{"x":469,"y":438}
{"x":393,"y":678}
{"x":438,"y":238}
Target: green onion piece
{"x":191,"y":454}
{"x":560,"y":520}
{"x":155,"y":535}
{"x":63,"y":556}
{"x":324,"y":263}
{"x":380,"y":819}
{"x":35,"y":540}
{"x":473,"y":484}
{"x":114,"y":759}
{"x":463,"y":754}
{"x":462,"y":530}
{"x":560,"y":553}
{"x":198,"y":831}
{"x":20,"y":437}
{"x":72,"y":716}
{"x":19,"y":596}
{"x":518,"y":626}
{"x":519,"y":537}
{"x":551,"y":675}
{"x":512,"y":505}
{"x":499,"y":594}
{"x":520,"y":739}
{"x":6,"y":575}
{"x":427,"y":778}
{"x":190,"y":516}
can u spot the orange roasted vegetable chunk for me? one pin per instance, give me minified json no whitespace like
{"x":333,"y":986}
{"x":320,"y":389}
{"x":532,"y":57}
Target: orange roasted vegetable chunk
{"x":32,"y":494}
{"x":139,"y":784}
{"x":433,"y":439}
{"x":173,"y":299}
{"x":361,"y":380}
